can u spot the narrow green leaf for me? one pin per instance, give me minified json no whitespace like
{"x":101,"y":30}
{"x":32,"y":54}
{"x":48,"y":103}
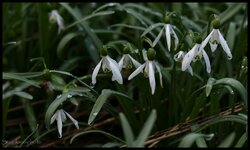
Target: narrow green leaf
{"x":5,"y":108}
{"x":231,"y":35}
{"x":127,"y":131}
{"x":30,"y":116}
{"x":100,"y":101}
{"x":24,"y":95}
{"x":105,"y":6}
{"x":29,"y":74}
{"x":209,"y":85}
{"x":111,"y":145}
{"x":127,"y":26}
{"x":94,"y":38}
{"x":53,"y":106}
{"x":200,"y":142}
{"x":151,"y":28}
{"x":91,"y":16}
{"x":16,"y":77}
{"x":32,"y":133}
{"x":231,"y":118}
{"x":143,"y":8}
{"x":230,"y":12}
{"x":190,"y":138}
{"x":237,"y":85}
{"x":64,"y":41}
{"x":227,"y":142}
{"x":97,"y":131}
{"x":242,"y":140}
{"x":147,"y":127}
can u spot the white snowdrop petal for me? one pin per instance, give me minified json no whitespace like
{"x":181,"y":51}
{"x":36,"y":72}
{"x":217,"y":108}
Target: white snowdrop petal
{"x":168,"y":37}
{"x":115,"y":70}
{"x":190,"y":70}
{"x":188,"y":58}
{"x":136,"y":63}
{"x":204,"y":43}
{"x":53,"y":118}
{"x":96,"y":70}
{"x":213,"y":46}
{"x":207,"y":62}
{"x":59,"y":125}
{"x":225,"y":46}
{"x":160,"y":75}
{"x":121,"y":62}
{"x":137,"y":71}
{"x":151,"y":76}
{"x":72,"y":119}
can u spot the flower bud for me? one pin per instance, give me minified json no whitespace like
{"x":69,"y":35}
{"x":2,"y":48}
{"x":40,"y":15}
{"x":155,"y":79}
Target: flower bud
{"x":151,"y":54}
{"x":104,"y":51}
{"x":126,"y":49}
{"x":216,"y":23}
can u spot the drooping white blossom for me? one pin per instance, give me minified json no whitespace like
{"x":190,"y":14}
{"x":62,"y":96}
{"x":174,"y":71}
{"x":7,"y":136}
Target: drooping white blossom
{"x":60,"y":116}
{"x":108,"y":64}
{"x":215,"y":38}
{"x":55,"y":16}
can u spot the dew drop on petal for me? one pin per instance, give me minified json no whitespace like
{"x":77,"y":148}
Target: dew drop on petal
{"x":95,"y":113}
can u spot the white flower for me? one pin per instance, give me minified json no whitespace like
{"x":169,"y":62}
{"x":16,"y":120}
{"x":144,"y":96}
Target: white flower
{"x":54,"y":16}
{"x":168,"y":31}
{"x":214,"y":39}
{"x":60,"y":116}
{"x":126,"y":60}
{"x":108,"y":64}
{"x":179,"y":57}
{"x":192,"y":55}
{"x":148,"y":67}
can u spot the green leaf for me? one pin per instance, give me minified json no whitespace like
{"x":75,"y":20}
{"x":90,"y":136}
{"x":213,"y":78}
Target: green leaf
{"x":97,"y":131}
{"x":32,"y":133}
{"x":29,"y":74}
{"x":235,"y":84}
{"x":209,"y":85}
{"x":151,"y":28}
{"x":24,"y":95}
{"x":231,"y":35}
{"x":91,"y":16}
{"x":127,"y":26}
{"x":143,"y":8}
{"x":53,"y":106}
{"x":100,"y":101}
{"x":148,"y":125}
{"x":127,"y":131}
{"x":228,"y":141}
{"x":231,"y":118}
{"x":242,"y":140}
{"x":16,"y":77}
{"x":64,"y":41}
{"x":230,"y":12}
{"x":190,"y":138}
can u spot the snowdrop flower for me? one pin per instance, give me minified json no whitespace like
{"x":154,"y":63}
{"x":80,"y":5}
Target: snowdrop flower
{"x":126,"y":60}
{"x":196,"y":52}
{"x":108,"y":64}
{"x":169,"y":31}
{"x":179,"y":57}
{"x":215,"y":38}
{"x":54,"y":16}
{"x":60,"y":116}
{"x":148,"y":67}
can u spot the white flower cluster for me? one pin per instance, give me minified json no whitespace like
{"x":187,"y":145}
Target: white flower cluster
{"x":109,"y":64}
